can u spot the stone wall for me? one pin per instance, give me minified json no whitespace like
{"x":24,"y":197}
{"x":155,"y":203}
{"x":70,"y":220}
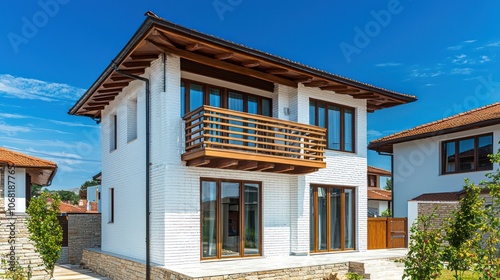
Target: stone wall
{"x":2,"y":199}
{"x":24,"y":249}
{"x":117,"y":268}
{"x":441,"y":209}
{"x":84,"y":231}
{"x":64,"y":257}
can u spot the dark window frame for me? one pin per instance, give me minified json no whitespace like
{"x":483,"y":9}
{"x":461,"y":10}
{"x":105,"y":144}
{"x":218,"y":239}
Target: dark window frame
{"x":112,"y":205}
{"x":328,"y":219}
{"x":224,"y":92}
{"x":476,"y":156}
{"x":218,"y":214}
{"x":342,"y":131}
{"x":375,"y":180}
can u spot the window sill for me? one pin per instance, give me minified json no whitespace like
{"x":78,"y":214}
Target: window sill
{"x":464,"y":172}
{"x":132,"y":140}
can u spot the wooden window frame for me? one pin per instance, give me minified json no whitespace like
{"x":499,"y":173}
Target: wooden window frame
{"x":224,"y":92}
{"x":476,"y":156}
{"x":375,"y":179}
{"x":328,"y":219}
{"x":343,"y":108}
{"x":218,"y":215}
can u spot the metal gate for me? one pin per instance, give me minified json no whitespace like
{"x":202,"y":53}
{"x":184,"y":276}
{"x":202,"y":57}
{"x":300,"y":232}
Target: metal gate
{"x":386,"y":233}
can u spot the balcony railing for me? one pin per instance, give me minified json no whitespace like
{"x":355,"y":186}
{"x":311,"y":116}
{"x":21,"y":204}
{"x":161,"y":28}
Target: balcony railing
{"x":222,"y":138}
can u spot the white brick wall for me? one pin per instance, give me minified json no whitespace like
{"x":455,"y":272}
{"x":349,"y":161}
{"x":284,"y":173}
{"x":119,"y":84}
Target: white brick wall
{"x":175,"y":188}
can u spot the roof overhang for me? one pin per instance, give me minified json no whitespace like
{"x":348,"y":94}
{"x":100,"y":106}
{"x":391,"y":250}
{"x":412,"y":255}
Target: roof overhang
{"x":40,"y":175}
{"x":157,"y":36}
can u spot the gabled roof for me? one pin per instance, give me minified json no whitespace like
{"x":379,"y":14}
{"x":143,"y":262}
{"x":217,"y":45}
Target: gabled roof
{"x":378,"y":194}
{"x":480,"y":117}
{"x":41,"y":171}
{"x":157,"y":36}
{"x":442,"y":196}
{"x":378,"y":171}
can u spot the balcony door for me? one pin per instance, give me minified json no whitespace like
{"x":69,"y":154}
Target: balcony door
{"x":230,"y":219}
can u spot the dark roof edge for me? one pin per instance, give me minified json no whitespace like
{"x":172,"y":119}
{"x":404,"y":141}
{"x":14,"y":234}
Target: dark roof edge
{"x":275,"y":59}
{"x":375,"y":146}
{"x":136,"y":38}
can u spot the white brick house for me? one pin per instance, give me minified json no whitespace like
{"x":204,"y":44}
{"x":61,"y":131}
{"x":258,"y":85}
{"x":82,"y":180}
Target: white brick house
{"x":240,"y":180}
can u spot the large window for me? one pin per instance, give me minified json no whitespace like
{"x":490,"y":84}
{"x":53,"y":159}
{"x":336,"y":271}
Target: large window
{"x":195,"y":94}
{"x":332,"y":218}
{"x":467,"y":154}
{"x":338,"y":119}
{"x":230,"y":218}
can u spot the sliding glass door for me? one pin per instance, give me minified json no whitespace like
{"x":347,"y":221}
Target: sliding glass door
{"x":230,"y":218}
{"x":332,"y":219}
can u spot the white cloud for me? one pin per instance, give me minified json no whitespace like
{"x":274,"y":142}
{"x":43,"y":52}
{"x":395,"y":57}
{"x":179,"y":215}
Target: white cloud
{"x":484,"y":59}
{"x":13,"y":116}
{"x":26,"y":88}
{"x":495,"y":44}
{"x":373,"y":133}
{"x":461,"y":59}
{"x":461,"y":71}
{"x":470,"y":41}
{"x":426,"y":73}
{"x":12,"y":130}
{"x":454,"y":48}
{"x":429,"y":85}
{"x":388,"y":64}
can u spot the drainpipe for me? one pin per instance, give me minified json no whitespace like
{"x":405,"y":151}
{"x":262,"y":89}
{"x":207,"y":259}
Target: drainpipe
{"x":148,"y":101}
{"x":392,"y":178}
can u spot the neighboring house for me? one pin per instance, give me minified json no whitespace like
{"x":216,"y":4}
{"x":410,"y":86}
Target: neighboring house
{"x":434,"y":158}
{"x":18,"y":171}
{"x":379,"y":200}
{"x":249,"y":153}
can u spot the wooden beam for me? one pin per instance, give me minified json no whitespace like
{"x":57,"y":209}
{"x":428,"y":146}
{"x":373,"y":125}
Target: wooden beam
{"x":282,"y":168}
{"x":303,"y":170}
{"x":277,"y":71}
{"x":118,"y":78}
{"x":336,"y":87}
{"x":316,"y":84}
{"x":93,"y":108}
{"x":304,"y":80}
{"x":108,"y":90}
{"x":251,"y":63}
{"x":137,"y":71}
{"x":198,"y":162}
{"x":363,"y":96}
{"x":137,"y":64}
{"x":224,"y":65}
{"x":148,"y":57}
{"x":249,"y":165}
{"x":225,"y":163}
{"x":115,"y":85}
{"x":98,"y":103}
{"x":224,"y":56}
{"x":104,"y":98}
{"x":264,"y":166}
{"x":193,"y":47}
{"x":164,"y":38}
{"x":347,"y":91}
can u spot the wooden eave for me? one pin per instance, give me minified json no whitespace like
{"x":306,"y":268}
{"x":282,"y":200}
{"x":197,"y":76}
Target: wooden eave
{"x":157,"y":36}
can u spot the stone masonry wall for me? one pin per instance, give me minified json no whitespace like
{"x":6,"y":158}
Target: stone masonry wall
{"x":24,"y":250}
{"x":84,"y":231}
{"x":2,"y":199}
{"x":119,"y":268}
{"x":441,"y":209}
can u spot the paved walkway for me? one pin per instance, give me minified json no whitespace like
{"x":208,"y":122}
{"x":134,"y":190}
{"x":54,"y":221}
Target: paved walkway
{"x":74,"y":272}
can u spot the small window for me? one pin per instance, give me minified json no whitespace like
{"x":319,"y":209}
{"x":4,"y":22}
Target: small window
{"x":467,"y":154}
{"x":112,"y":205}
{"x":372,"y":181}
{"x":113,"y":132}
{"x":132,"y":120}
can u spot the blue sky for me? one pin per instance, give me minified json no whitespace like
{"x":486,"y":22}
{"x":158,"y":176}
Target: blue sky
{"x":444,"y":52}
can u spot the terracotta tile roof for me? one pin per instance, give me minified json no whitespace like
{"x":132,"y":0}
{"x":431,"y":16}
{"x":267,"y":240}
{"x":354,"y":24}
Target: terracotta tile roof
{"x":484,"y":116}
{"x":378,"y":171}
{"x":442,"y":196}
{"x":23,"y":160}
{"x":378,"y":194}
{"x":69,"y":208}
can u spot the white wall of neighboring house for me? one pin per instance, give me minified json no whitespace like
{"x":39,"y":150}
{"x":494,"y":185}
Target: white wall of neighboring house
{"x":175,"y":188}
{"x":417,"y":168}
{"x":16,"y":180}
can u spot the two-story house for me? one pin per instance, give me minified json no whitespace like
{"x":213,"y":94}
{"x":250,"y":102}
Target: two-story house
{"x":431,"y":160}
{"x":212,"y":150}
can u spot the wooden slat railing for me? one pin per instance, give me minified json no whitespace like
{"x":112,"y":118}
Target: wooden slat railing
{"x":217,"y":128}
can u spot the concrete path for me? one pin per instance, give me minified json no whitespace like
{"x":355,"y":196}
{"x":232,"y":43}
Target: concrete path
{"x":74,"y":272}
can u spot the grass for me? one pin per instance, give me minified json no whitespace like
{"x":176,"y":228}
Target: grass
{"x":448,"y":275}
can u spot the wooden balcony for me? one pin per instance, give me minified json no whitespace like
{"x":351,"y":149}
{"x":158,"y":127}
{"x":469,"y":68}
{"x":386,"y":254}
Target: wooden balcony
{"x":222,"y":138}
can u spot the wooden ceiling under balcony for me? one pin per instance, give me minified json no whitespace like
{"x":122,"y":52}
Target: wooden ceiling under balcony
{"x":157,"y":36}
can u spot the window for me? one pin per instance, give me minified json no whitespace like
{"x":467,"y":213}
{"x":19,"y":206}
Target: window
{"x":112,"y":205}
{"x":195,"y":94}
{"x":132,"y":120}
{"x":467,"y":154}
{"x":332,"y":218}
{"x":230,"y":218}
{"x":113,"y":132}
{"x":372,"y":180}
{"x":338,"y":119}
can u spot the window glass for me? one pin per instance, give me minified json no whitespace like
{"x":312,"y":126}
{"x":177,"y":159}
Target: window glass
{"x":450,"y":159}
{"x":466,"y":155}
{"x":252,"y":223}
{"x":195,"y":96}
{"x":322,"y":219}
{"x":312,"y":215}
{"x":333,"y":127}
{"x":335,"y":218}
{"x":266,"y":107}
{"x":214,"y":97}
{"x":485,"y":148}
{"x":209,"y":219}
{"x":321,"y":115}
{"x":349,"y":218}
{"x":348,"y":129}
{"x":312,"y":112}
{"x":183,"y":99}
{"x":253,"y":104}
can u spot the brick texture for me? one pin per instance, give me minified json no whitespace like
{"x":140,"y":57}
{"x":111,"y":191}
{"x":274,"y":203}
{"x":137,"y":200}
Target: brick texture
{"x":442,"y":210}
{"x":84,"y":231}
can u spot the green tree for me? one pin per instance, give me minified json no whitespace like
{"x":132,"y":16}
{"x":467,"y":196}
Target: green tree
{"x":36,"y":190}
{"x":44,"y":228}
{"x":68,"y":196}
{"x":388,"y":185}
{"x":84,"y":186}
{"x":424,"y":258}
{"x":463,"y":231}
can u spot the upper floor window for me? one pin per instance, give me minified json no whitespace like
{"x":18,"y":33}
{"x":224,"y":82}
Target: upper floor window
{"x":196,"y":94}
{"x":467,"y":154}
{"x":113,"y":132}
{"x":338,"y":119}
{"x":372,"y":181}
{"x":131,"y":120}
